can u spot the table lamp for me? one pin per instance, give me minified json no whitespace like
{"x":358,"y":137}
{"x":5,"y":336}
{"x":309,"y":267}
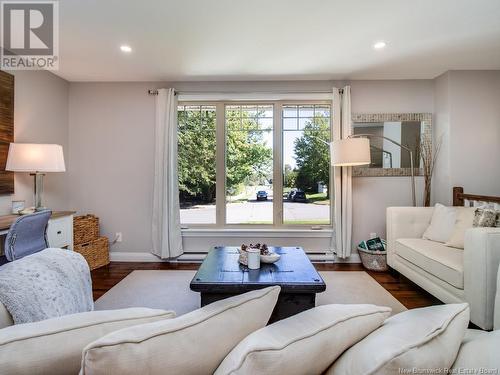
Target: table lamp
{"x":355,"y":150}
{"x":37,"y":159}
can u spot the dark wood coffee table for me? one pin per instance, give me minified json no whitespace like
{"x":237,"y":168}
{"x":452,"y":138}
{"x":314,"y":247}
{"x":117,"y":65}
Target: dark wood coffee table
{"x":221,"y":276}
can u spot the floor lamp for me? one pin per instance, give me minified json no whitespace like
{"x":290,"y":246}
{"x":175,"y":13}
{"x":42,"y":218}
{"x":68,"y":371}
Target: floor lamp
{"x":355,"y":150}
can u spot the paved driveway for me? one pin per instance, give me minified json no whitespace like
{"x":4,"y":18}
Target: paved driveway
{"x":256,"y":212}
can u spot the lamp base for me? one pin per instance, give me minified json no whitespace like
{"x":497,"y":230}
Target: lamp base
{"x":38,"y":180}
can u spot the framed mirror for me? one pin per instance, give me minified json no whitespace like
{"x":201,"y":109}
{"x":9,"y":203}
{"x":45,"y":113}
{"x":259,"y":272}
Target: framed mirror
{"x":387,"y":158}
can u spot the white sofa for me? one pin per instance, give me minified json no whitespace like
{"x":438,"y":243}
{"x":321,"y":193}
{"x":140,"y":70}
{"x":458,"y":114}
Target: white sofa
{"x":55,"y":346}
{"x":450,"y":274}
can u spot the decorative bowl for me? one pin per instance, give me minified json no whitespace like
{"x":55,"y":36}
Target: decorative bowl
{"x":269,"y":258}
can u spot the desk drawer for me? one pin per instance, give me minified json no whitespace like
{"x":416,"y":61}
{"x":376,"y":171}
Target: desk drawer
{"x":59,"y":231}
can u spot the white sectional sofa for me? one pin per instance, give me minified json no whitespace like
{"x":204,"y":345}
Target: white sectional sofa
{"x":450,"y":274}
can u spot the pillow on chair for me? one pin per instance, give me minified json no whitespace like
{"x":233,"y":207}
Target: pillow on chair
{"x":54,"y":346}
{"x":193,"y":343}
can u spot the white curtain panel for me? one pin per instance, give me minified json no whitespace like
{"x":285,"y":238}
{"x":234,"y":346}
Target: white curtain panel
{"x":166,"y":228}
{"x":342,"y":175}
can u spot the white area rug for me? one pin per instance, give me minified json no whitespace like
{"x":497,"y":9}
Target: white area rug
{"x":169,"y":290}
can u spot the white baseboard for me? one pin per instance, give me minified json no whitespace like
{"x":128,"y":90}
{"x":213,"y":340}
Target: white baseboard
{"x":122,"y":256}
{"x":354,"y":258}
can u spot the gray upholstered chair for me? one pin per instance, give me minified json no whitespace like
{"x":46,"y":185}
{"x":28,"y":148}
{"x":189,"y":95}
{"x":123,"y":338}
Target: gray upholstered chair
{"x":27,"y":235}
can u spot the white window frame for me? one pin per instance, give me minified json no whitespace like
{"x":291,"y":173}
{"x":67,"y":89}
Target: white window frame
{"x":220,"y":226}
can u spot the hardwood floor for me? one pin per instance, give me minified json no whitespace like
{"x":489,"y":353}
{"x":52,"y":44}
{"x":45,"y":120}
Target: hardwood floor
{"x":405,"y":291}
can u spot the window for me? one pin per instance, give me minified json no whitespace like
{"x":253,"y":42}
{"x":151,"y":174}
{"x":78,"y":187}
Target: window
{"x":249,"y":164}
{"x":268,"y":161}
{"x":306,"y":164}
{"x":196,"y":161}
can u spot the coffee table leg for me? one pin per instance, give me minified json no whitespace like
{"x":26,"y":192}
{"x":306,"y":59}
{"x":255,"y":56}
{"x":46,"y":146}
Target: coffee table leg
{"x":208,"y":298}
{"x":287,"y":305}
{"x":291,"y":304}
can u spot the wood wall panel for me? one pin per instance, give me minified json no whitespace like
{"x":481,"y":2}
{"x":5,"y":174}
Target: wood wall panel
{"x":6,"y":130}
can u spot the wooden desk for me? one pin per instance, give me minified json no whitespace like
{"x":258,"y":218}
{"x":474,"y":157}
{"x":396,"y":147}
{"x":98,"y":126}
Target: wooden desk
{"x":59,"y":230}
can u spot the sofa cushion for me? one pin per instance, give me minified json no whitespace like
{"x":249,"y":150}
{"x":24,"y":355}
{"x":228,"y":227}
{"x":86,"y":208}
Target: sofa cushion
{"x":426,"y":339}
{"x":442,"y":223}
{"x":465,"y":217}
{"x":445,"y":263}
{"x":193,"y":343}
{"x":479,"y":349}
{"x":306,"y":343}
{"x":54,"y":346}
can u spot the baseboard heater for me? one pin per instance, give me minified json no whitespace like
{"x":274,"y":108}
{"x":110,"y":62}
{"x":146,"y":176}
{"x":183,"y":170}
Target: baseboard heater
{"x":314,"y":257}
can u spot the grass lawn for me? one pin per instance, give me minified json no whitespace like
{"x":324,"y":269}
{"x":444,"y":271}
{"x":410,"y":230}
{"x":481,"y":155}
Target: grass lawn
{"x":318,"y":198}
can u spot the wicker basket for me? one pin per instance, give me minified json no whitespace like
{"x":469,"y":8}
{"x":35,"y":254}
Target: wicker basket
{"x":373,"y":260}
{"x":85,"y":229}
{"x":95,"y":252}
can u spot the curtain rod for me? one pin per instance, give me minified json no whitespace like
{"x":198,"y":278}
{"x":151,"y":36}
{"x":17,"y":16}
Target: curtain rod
{"x":155,"y":92}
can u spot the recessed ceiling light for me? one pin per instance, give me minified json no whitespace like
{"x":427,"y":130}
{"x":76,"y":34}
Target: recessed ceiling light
{"x":126,"y":49}
{"x":379,"y":45}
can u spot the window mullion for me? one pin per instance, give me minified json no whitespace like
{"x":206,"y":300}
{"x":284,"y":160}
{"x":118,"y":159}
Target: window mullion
{"x":220,"y":202}
{"x":277,"y":166}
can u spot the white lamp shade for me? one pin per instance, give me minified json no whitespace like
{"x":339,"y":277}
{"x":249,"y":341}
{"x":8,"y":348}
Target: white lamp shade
{"x":34,"y":157}
{"x":350,"y":152}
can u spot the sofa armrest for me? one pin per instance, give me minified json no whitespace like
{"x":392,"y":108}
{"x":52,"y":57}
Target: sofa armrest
{"x":405,"y":222}
{"x":55,"y":345}
{"x":481,"y":260}
{"x":496,"y":309}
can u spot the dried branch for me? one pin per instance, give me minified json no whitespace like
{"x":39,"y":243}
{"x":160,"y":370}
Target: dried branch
{"x":428,"y":154}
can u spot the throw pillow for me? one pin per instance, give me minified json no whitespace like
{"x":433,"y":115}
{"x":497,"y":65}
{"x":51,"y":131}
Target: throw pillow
{"x":306,"y":343}
{"x":54,"y":346}
{"x":485,"y":217}
{"x":465,"y":218}
{"x":427,"y":338}
{"x":194,"y":343}
{"x":442,"y":223}
{"x":479,"y":350}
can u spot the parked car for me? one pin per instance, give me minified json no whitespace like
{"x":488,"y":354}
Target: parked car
{"x":290,"y":194}
{"x":297,"y":196}
{"x":261,"y":195}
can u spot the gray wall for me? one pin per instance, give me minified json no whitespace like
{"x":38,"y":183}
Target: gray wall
{"x":467,"y":119}
{"x":106,"y":130}
{"x":40,"y":116}
{"x":112,"y":158}
{"x":111,"y":154}
{"x":372,"y":195}
{"x":475,"y":131}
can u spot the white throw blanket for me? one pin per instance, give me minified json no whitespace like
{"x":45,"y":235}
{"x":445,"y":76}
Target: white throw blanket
{"x":48,"y":284}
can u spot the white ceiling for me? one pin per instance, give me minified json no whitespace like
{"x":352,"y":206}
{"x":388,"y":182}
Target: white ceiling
{"x":275,"y":39}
